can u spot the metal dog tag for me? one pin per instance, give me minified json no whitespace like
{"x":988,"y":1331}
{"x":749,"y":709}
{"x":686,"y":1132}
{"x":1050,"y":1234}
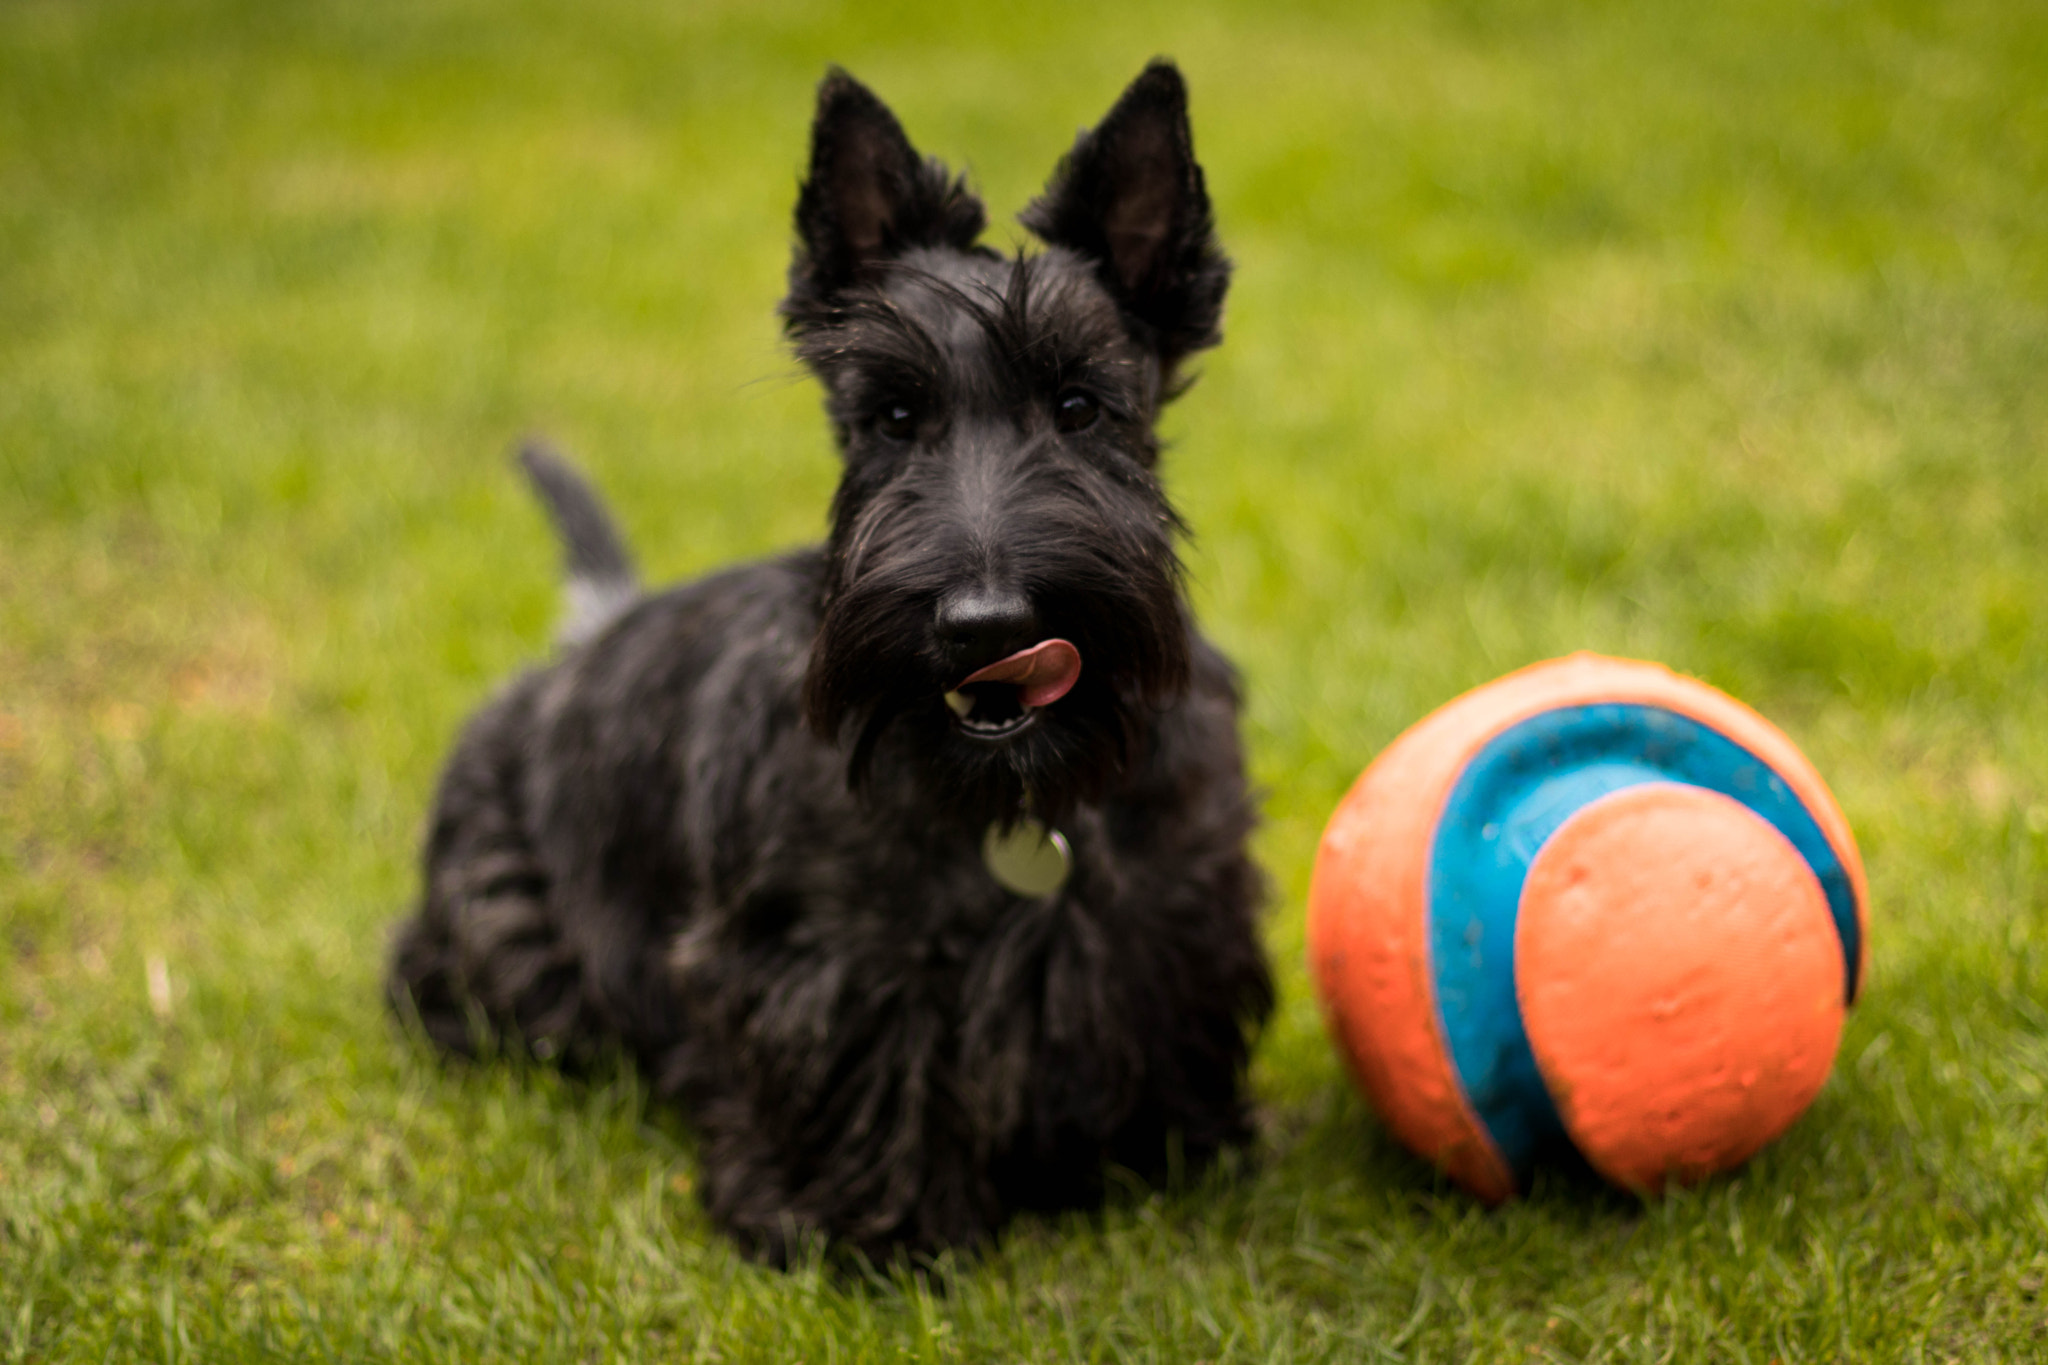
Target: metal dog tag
{"x":1030,"y":860}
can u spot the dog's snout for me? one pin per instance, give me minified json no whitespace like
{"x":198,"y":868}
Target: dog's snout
{"x":982,"y":623}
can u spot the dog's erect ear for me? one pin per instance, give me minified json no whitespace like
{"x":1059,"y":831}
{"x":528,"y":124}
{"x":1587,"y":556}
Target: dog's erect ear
{"x":869,"y":196}
{"x":1129,"y":197}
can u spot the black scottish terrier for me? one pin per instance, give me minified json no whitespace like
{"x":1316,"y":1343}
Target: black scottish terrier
{"x":912,"y":866}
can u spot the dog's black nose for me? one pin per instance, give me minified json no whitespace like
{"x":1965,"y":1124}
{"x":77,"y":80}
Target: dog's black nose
{"x":980,"y":625}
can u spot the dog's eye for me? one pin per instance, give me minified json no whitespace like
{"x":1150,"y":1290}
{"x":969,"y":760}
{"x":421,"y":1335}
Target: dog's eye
{"x":897,"y":421}
{"x":1075,"y":410}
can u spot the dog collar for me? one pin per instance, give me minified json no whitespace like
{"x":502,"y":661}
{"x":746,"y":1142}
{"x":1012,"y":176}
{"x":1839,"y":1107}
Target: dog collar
{"x":1027,"y":859}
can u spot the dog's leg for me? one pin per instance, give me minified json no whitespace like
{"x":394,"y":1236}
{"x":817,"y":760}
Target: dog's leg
{"x":902,"y":1177}
{"x":1197,"y":936}
{"x":823,"y":1082}
{"x":482,"y":965}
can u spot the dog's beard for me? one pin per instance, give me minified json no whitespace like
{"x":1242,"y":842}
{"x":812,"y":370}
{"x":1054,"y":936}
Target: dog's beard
{"x":876,"y":686}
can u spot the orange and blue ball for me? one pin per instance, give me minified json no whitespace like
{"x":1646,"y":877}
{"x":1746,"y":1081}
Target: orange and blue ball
{"x":1594,"y":903}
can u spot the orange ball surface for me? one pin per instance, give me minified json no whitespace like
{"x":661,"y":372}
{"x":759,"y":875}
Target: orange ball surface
{"x":1680,"y":982}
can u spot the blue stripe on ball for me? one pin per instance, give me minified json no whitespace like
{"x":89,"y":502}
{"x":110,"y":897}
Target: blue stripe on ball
{"x":1515,"y":793}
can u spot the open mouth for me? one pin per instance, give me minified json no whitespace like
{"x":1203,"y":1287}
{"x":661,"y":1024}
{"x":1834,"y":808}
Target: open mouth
{"x":989,"y":710}
{"x":1004,"y":698}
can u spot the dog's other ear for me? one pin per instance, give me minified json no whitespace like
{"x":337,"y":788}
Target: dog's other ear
{"x":1129,"y":197}
{"x":869,"y":196}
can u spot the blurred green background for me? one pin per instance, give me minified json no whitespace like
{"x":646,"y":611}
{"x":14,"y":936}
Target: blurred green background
{"x":1708,"y":334}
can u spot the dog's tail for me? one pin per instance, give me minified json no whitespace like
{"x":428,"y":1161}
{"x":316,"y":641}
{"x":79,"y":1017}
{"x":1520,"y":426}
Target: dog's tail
{"x":602,"y":581}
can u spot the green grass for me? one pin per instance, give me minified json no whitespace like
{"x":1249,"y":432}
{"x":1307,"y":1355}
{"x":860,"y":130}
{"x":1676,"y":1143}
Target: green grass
{"x":1709,"y":334}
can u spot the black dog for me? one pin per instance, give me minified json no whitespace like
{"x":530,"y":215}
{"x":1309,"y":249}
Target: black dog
{"x":911,"y":866}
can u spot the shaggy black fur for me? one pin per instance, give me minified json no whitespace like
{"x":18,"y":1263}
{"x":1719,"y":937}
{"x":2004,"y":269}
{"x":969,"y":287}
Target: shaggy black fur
{"x":736,"y":830}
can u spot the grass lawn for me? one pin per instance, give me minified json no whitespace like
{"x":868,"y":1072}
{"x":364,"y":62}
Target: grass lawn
{"x":1710,"y":334}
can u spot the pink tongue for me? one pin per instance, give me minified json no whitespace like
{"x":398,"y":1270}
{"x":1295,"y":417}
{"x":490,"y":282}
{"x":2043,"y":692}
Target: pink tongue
{"x":1045,"y":672}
